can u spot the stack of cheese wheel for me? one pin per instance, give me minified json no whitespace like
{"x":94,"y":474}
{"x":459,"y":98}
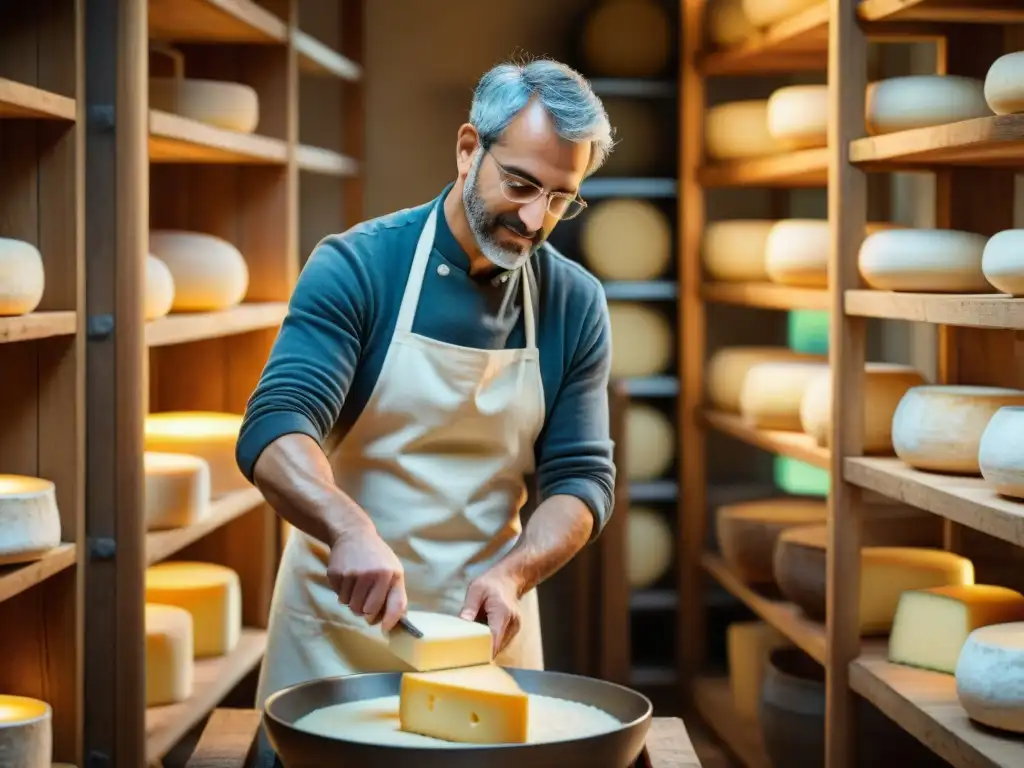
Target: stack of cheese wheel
{"x":170,"y":650}
{"x":773,"y":391}
{"x":734,"y":250}
{"x":727,"y":24}
{"x":159,"y":289}
{"x":798,"y":116}
{"x":748,"y":644}
{"x":648,"y":547}
{"x":885,"y":384}
{"x":208,"y":435}
{"x":650,"y":442}
{"x":233,"y":106}
{"x":211,"y":593}
{"x":738,"y":130}
{"x":764,"y":13}
{"x":1001,"y":452}
{"x":1002,"y":261}
{"x":638,"y":133}
{"x":22,"y":278}
{"x":796,"y":251}
{"x":627,"y":240}
{"x":989,"y":676}
{"x":642,"y":340}
{"x":26,"y":732}
{"x":921,"y":101}
{"x":627,"y":38}
{"x":1004,"y":84}
{"x":208,"y":272}
{"x":925,"y":260}
{"x":938,"y":428}
{"x":29,"y":518}
{"x":178,"y":490}
{"x":727,"y":371}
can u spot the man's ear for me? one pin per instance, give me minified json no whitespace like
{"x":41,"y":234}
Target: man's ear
{"x":467,"y":143}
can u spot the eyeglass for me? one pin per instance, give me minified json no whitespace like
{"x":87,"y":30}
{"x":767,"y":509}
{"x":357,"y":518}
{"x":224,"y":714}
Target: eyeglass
{"x":523,"y":192}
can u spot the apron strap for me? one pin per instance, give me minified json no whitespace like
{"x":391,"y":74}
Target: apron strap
{"x":411,"y":297}
{"x":528,"y":319}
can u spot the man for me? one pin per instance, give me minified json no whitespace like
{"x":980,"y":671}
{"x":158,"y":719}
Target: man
{"x":429,"y":361}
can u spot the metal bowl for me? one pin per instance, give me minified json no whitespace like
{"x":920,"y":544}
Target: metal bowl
{"x":612,"y":749}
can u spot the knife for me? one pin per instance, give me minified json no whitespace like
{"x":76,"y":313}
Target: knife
{"x":409,"y":627}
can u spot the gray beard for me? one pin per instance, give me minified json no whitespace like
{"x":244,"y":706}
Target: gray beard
{"x":484,"y":226}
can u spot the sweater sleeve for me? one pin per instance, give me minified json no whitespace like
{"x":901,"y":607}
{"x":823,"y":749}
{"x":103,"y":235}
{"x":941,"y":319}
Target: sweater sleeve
{"x":312,"y":363}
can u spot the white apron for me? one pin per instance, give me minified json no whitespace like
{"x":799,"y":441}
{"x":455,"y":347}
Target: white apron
{"x":437,"y":459}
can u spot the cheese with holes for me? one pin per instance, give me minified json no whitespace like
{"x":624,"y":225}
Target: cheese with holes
{"x":22,"y":278}
{"x":649,"y":547}
{"x":738,"y":130}
{"x":211,"y":593}
{"x":733,"y":251}
{"x":728,"y":367}
{"x":1004,"y":84}
{"x":747,"y":532}
{"x":764,"y":13}
{"x":924,"y":260}
{"x":990,"y":676}
{"x":931,"y":625}
{"x":233,"y":106}
{"x":480,"y":704}
{"x":209,"y":273}
{"x":169,"y":654}
{"x":939,"y":427}
{"x":1001,"y":452}
{"x":26,"y":732}
{"x":727,"y":24}
{"x":209,"y":435}
{"x":772,"y":393}
{"x":642,"y":339}
{"x":177,"y":491}
{"x":748,"y":645}
{"x":29,"y":518}
{"x":159,"y":295}
{"x":798,"y":116}
{"x":1002,"y":261}
{"x":650,"y":442}
{"x":920,"y":101}
{"x":447,"y":641}
{"x":619,"y":227}
{"x":611,"y":32}
{"x":885,"y":384}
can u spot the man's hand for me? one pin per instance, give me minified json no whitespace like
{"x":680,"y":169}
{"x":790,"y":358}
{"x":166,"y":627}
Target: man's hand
{"x":368,"y":577}
{"x":496,"y":593}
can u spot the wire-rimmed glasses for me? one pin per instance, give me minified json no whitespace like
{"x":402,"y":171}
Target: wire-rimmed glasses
{"x":522,"y":191}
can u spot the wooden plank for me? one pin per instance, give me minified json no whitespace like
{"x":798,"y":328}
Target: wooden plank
{"x":321,"y":60}
{"x":741,"y":736}
{"x":766,"y":296}
{"x":325,"y":161}
{"x":795,"y":445}
{"x":946,"y":11}
{"x":967,"y":310}
{"x":806,"y":168}
{"x":228,"y":740}
{"x":37,"y":325}
{"x":183,"y":327}
{"x":162,"y":544}
{"x":668,"y":745}
{"x":18,"y":100}
{"x":15,"y":579}
{"x":996,"y":140}
{"x":214,"y":21}
{"x":176,"y":139}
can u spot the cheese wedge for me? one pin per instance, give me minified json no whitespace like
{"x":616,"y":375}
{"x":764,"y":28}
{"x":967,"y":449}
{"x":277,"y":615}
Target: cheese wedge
{"x":447,"y":642}
{"x":482,"y":704}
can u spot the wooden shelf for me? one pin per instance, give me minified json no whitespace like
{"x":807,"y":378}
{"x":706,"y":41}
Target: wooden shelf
{"x":943,"y":11}
{"x":806,"y":168}
{"x":766,"y":296}
{"x":321,"y":60}
{"x":15,"y":579}
{"x":176,"y":139}
{"x":970,"y":310}
{"x":37,"y":325}
{"x":325,"y":161}
{"x":214,"y":21}
{"x":741,"y":736}
{"x":795,"y":445}
{"x":18,"y":100}
{"x":163,"y":544}
{"x":997,"y":140}
{"x":185,"y":327}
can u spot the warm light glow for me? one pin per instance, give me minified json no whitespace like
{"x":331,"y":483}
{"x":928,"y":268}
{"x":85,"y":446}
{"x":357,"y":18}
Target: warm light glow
{"x":13,"y":485}
{"x":188,"y":425}
{"x":19,"y":710}
{"x":157,"y":461}
{"x":160,"y":618}
{"x":188,"y":575}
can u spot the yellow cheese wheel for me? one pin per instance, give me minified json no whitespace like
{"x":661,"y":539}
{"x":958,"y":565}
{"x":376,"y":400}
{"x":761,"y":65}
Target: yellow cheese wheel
{"x":177,"y":491}
{"x":26,"y":732}
{"x":885,"y":384}
{"x":638,"y":136}
{"x":642,"y":340}
{"x":738,"y":130}
{"x":29,"y":518}
{"x":170,"y":670}
{"x":920,"y":101}
{"x":649,"y":547}
{"x":1002,"y":261}
{"x":159,"y":289}
{"x":1004,"y":84}
{"x":627,"y":38}
{"x":727,"y":24}
{"x":748,"y":644}
{"x":798,"y":116}
{"x":22,"y":278}
{"x":234,"y":106}
{"x":209,"y":435}
{"x":733,"y":250}
{"x":209,"y":273}
{"x":772,"y":393}
{"x":764,"y":13}
{"x":747,"y":532}
{"x":626,"y":240}
{"x":924,"y":260}
{"x":727,"y":371}
{"x":989,"y":676}
{"x":650,"y":442}
{"x":1001,"y":452}
{"x":211,"y":593}
{"x":939,"y":427}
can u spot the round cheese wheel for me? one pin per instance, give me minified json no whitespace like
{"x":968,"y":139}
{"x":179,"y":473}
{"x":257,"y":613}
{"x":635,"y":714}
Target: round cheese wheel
{"x":22,"y":278}
{"x":627,"y":240}
{"x":764,"y":13}
{"x":170,"y":649}
{"x":772,"y":393}
{"x":26,"y":732}
{"x":797,"y":251}
{"x":642,"y":340}
{"x":649,"y":547}
{"x":177,"y":491}
{"x":1001,"y":452}
{"x":727,"y":24}
{"x":627,"y":38}
{"x":727,"y":370}
{"x":638,"y":134}
{"x":798,"y":116}
{"x":733,"y":251}
{"x":738,"y":130}
{"x":990,"y":676}
{"x":926,"y":260}
{"x":919,"y":101}
{"x":885,"y":384}
{"x":209,"y":273}
{"x":1004,"y":84}
{"x":650,"y":442}
{"x":939,"y":427}
{"x":1002,"y":261}
{"x":233,"y":106}
{"x":211,"y":593}
{"x":29,"y":518}
{"x":159,"y":289}
{"x":207,"y":435}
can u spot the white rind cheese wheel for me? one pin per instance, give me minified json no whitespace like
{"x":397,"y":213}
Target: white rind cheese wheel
{"x":798,"y":116}
{"x":1001,"y":452}
{"x":208,"y":435}
{"x":939,"y":427}
{"x":764,"y":13}
{"x":26,"y":732}
{"x":22,"y":278}
{"x":29,"y":518}
{"x":1002,"y":261}
{"x":642,"y":340}
{"x":649,"y":547}
{"x":627,"y":240}
{"x":925,"y":260}
{"x":797,"y":250}
{"x":1004,"y":84}
{"x":728,"y":367}
{"x":627,"y":38}
{"x":211,"y":593}
{"x":885,"y":384}
{"x":738,"y":130}
{"x":733,"y":251}
{"x":727,"y":24}
{"x":748,"y":645}
{"x":170,"y":670}
{"x":639,"y":136}
{"x":990,"y":676}
{"x":772,"y":393}
{"x":920,"y":101}
{"x":209,"y":273}
{"x":650,"y":442}
{"x":177,"y":490}
{"x":159,"y":289}
{"x":234,"y":106}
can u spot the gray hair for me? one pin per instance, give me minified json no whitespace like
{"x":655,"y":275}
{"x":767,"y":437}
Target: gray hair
{"x":576,"y":111}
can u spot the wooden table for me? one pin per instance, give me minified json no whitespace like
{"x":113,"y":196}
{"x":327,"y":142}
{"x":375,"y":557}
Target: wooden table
{"x":229,"y":741}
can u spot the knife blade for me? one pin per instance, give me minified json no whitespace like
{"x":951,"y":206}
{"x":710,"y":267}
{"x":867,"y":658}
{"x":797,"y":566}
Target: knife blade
{"x":409,"y":627}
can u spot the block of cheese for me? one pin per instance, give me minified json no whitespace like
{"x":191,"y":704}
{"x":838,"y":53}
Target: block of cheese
{"x":640,"y":133}
{"x":919,"y":101}
{"x":1004,"y":84}
{"x":177,"y":490}
{"x":733,"y":251}
{"x":1001,"y":452}
{"x":650,"y":442}
{"x":727,"y":24}
{"x":649,"y":547}
{"x":26,"y":732}
{"x":209,"y":273}
{"x":939,"y":427}
{"x":764,"y":13}
{"x":610,"y":34}
{"x":159,"y":296}
{"x":209,"y":435}
{"x":931,"y":625}
{"x":748,"y":645}
{"x":885,"y":384}
{"x":990,"y":676}
{"x":738,"y":130}
{"x":169,"y":654}
{"x":1002,"y":261}
{"x":923,"y":260}
{"x":618,"y":227}
{"x":772,"y":393}
{"x":447,"y":641}
{"x":798,"y":116}
{"x":234,"y":106}
{"x":728,"y":367}
{"x":211,"y":593}
{"x":29,"y":518}
{"x":642,"y":339}
{"x":480,"y":704}
{"x":22,"y":278}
